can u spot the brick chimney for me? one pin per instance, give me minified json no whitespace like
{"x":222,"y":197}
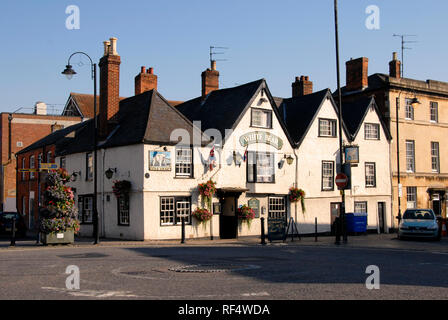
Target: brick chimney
{"x":357,"y":74}
{"x":146,"y":80}
{"x":109,"y":87}
{"x":395,"y":67}
{"x":210,"y":80}
{"x":302,"y":86}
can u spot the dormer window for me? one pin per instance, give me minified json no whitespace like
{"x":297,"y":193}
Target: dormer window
{"x":327,"y":128}
{"x":261,"y":118}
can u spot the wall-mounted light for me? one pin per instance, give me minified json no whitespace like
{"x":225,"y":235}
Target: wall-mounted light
{"x":281,"y":164}
{"x":75,"y":175}
{"x":237,"y":158}
{"x":110,"y":172}
{"x":289,"y":160}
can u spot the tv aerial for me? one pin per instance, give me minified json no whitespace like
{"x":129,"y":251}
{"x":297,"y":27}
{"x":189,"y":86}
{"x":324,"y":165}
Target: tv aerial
{"x":403,"y":48}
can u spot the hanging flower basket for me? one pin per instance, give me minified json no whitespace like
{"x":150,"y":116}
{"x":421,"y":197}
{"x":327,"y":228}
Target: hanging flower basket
{"x":246,"y":214}
{"x":207,"y":191}
{"x":121,"y":187}
{"x":296,"y":195}
{"x":202,"y":215}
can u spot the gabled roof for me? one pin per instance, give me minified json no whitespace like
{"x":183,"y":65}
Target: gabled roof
{"x":299,"y":113}
{"x":354,"y":113}
{"x":223,"y":109}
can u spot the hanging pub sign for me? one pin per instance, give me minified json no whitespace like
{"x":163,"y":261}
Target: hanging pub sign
{"x":159,"y":161}
{"x":351,"y":154}
{"x":255,"y":205}
{"x":261,"y":137}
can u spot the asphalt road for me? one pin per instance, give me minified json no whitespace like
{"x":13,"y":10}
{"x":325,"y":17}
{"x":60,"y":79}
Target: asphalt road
{"x":239,"y":272}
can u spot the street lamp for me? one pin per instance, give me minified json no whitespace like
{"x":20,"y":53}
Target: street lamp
{"x":69,"y":73}
{"x":414,"y":102}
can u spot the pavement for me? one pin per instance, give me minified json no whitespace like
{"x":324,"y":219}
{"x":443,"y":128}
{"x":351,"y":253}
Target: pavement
{"x":374,"y":241}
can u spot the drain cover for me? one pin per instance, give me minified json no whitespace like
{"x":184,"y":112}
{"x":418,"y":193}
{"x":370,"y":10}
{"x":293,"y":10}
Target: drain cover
{"x":208,"y":268}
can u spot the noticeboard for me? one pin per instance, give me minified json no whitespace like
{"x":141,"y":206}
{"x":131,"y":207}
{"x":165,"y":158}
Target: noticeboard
{"x":255,"y":205}
{"x":276,"y":229}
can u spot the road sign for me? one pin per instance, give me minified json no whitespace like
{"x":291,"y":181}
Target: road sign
{"x":341,"y":180}
{"x":49,"y":166}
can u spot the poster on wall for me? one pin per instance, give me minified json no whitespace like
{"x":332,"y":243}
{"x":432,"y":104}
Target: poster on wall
{"x":255,"y":205}
{"x":159,"y":161}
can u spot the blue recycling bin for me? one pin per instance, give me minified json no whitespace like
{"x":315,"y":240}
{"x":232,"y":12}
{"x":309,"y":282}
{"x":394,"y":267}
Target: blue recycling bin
{"x":356,"y":222}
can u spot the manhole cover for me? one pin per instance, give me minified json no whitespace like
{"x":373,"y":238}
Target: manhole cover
{"x":208,"y":268}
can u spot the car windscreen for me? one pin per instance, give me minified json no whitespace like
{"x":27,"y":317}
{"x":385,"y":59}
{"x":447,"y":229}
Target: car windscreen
{"x":418,"y":215}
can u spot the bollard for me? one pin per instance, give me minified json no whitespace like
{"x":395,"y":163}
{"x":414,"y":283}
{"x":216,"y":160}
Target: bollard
{"x":315,"y":229}
{"x":263,"y":236}
{"x":183,"y":230}
{"x":13,"y":233}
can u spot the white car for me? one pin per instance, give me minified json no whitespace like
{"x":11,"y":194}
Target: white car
{"x":419,"y":223}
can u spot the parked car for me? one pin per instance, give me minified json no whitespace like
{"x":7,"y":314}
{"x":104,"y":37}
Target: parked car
{"x":419,"y":223}
{"x":6,"y":223}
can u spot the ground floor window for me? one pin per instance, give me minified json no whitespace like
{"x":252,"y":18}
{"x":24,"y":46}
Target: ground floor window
{"x":411,"y":196}
{"x":173,"y":208}
{"x":85,"y":209}
{"x":123,"y":210}
{"x":361,"y":207}
{"x":277,"y":207}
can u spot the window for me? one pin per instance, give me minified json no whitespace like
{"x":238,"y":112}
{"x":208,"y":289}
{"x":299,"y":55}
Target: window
{"x":49,"y":157}
{"x":62,"y":162}
{"x":40,"y":158}
{"x":434,"y":112}
{"x":23,"y":167}
{"x":327,"y":128}
{"x":277,"y":207}
{"x":123,"y":210}
{"x":409,"y":110}
{"x":435,"y":161}
{"x":261,"y":118}
{"x":327,"y":175}
{"x":184,"y":162}
{"x":89,"y":166}
{"x":32,"y":166}
{"x":85,"y":209}
{"x":370,"y":175}
{"x":411,"y":195}
{"x":260,"y":167}
{"x":410,"y":156}
{"x":172,"y":209}
{"x":361,"y":207}
{"x":372,"y":131}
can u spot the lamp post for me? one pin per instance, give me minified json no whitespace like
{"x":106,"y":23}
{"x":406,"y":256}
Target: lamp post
{"x":413,"y":103}
{"x":342,"y":227}
{"x":69,"y":73}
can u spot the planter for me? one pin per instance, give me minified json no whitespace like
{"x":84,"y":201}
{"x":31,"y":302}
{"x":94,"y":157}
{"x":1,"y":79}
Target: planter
{"x":67,"y":237}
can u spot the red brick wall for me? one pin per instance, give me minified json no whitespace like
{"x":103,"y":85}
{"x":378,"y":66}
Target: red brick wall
{"x":109,"y":91}
{"x":145,"y":81}
{"x":357,"y":74}
{"x":210,"y":81}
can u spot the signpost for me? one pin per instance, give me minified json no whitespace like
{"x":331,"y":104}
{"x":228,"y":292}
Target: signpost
{"x":49,"y":166}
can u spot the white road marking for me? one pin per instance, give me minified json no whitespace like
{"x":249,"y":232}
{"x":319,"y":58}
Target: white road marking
{"x":93,"y":293}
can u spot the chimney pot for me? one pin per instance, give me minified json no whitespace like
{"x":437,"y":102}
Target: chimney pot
{"x":143,"y":70}
{"x":106,"y":47}
{"x":113,"y":46}
{"x":213,"y":65}
{"x":151,"y":70}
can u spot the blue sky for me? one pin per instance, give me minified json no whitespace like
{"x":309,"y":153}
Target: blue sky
{"x":275,"y":40}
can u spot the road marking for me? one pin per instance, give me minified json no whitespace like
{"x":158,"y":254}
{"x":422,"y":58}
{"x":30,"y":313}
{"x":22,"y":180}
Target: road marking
{"x":256,"y":294}
{"x":93,"y":293}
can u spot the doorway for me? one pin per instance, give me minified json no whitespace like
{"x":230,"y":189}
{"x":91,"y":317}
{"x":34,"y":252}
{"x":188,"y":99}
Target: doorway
{"x":228,"y":219}
{"x":382,"y":227}
{"x":335,"y":211}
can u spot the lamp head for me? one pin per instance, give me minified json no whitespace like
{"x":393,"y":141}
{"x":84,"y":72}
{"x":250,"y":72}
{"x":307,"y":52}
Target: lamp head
{"x":415,"y":102}
{"x":68,"y":72}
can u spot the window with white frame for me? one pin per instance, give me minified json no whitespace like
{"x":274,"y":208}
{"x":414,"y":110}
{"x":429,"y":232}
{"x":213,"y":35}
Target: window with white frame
{"x":62,"y":162}
{"x":410,"y":156}
{"x":360,"y":207}
{"x":409,"y":110}
{"x":85,"y":209}
{"x":23,"y":167}
{"x":40,"y":158}
{"x":372,"y":131}
{"x":327,"y":128}
{"x":49,"y":157}
{"x":184,"y":162}
{"x":434,"y":111}
{"x":435,"y":160}
{"x":32,"y":166}
{"x":277,"y":207}
{"x":89,"y":166}
{"x":260,"y":167}
{"x":261,"y":118}
{"x":123,"y":210}
{"x":173,"y":208}
{"x":327,"y":175}
{"x":411,"y":197}
{"x":370,"y":175}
